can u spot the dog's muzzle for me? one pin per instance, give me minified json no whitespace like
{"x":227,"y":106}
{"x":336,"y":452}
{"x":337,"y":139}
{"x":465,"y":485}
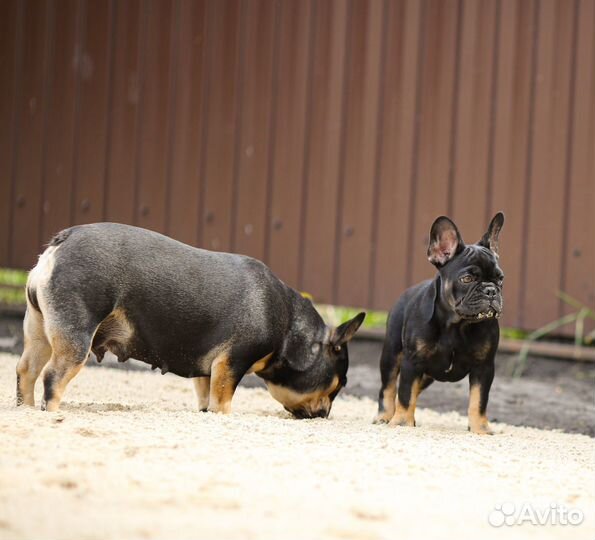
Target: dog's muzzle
{"x":486,"y":304}
{"x":303,"y":414}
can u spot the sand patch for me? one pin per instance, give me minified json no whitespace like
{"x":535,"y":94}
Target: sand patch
{"x":130,"y":457}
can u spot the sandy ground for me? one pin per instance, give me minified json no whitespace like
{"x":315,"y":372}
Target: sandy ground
{"x":551,"y":394}
{"x":129,"y":457}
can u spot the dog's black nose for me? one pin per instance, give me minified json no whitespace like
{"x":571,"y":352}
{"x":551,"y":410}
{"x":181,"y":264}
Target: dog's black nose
{"x":490,"y":291}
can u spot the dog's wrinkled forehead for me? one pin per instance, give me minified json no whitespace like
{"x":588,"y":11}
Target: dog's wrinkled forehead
{"x":474,"y":255}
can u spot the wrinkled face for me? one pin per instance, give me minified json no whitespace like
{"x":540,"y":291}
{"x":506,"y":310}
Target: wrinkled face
{"x":470,"y":276}
{"x":310,"y":393}
{"x":472,"y":284}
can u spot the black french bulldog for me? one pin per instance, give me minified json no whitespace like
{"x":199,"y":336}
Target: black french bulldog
{"x":446,"y":328}
{"x":199,"y":314}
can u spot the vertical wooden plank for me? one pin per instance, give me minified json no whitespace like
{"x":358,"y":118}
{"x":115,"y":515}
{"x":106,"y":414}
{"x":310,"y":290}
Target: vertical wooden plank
{"x":9,"y":49}
{"x":470,"y":167}
{"x":250,"y":197}
{"x":293,"y":83}
{"x":184,"y":182}
{"x":579,"y":255}
{"x":25,"y":241}
{"x":441,"y":20}
{"x":545,"y":215}
{"x":223,"y":34}
{"x":360,"y":154}
{"x":511,"y":136}
{"x":397,"y":147}
{"x":92,"y":64}
{"x":60,"y":120}
{"x":324,"y":148}
{"x":154,"y":135}
{"x":126,"y":78}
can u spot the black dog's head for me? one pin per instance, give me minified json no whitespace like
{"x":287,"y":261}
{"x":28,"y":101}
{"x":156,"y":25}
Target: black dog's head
{"x":312,"y":369}
{"x":470,"y":276}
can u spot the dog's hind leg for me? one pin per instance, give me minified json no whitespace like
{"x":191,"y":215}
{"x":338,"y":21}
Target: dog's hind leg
{"x":69,"y":354}
{"x":411,"y":383}
{"x":390,"y":365}
{"x":36,"y":354}
{"x":63,"y":366}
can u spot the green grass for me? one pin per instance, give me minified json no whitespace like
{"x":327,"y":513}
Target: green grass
{"x":577,"y":317}
{"x":335,"y":315}
{"x":513,"y":333}
{"x":12,"y":277}
{"x":12,"y":286}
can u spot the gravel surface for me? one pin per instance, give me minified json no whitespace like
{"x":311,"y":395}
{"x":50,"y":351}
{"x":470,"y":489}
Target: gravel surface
{"x":130,"y":457}
{"x":551,"y":394}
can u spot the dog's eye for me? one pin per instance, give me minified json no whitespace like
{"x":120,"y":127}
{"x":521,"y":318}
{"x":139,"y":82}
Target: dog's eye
{"x":337,"y":348}
{"x":467,"y":279}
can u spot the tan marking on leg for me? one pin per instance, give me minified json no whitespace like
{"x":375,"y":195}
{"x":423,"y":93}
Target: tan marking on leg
{"x":405,"y":416}
{"x":389,"y":395}
{"x":260,"y":364}
{"x":37,"y":350}
{"x":36,"y":354}
{"x":62,"y":370}
{"x":202,"y":386}
{"x":223,"y":385}
{"x":66,"y":361}
{"x":478,"y":423}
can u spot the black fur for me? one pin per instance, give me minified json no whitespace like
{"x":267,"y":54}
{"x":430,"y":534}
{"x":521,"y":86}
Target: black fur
{"x":437,"y":330}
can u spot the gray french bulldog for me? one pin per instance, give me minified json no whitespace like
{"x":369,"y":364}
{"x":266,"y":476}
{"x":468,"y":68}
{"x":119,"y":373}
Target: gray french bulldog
{"x":200,"y":314}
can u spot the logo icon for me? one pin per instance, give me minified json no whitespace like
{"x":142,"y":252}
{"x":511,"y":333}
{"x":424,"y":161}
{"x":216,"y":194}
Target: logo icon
{"x":555,"y":514}
{"x":502,"y":514}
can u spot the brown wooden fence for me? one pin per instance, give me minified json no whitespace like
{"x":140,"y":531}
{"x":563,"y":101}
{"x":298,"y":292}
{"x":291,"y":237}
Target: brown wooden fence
{"x":321,"y":136}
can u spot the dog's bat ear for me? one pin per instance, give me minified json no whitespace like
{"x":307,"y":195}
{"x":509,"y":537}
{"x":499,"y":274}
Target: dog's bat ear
{"x":343,"y":333}
{"x":490,"y":238}
{"x":445,"y":241}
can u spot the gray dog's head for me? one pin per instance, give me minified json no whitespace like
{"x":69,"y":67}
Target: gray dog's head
{"x":312,"y":368}
{"x":471,"y":278}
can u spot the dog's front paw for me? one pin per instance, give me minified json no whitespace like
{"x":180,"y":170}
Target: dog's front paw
{"x":223,"y":408}
{"x":405,"y":421}
{"x":382,"y":418}
{"x":482,"y":429}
